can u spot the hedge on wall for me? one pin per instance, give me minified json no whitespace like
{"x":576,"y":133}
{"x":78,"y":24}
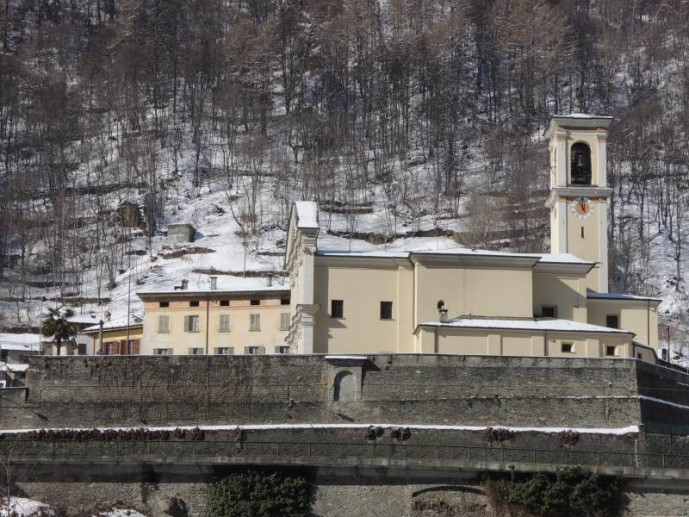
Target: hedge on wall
{"x":571,"y":492}
{"x":260,"y":494}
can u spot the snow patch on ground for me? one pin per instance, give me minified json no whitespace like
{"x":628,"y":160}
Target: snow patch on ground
{"x":21,"y":507}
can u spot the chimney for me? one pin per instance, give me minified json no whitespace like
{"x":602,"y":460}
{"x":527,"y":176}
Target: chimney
{"x":185,"y":282}
{"x":269,"y":280}
{"x":107,"y":315}
{"x":443,"y":315}
{"x":214,"y":283}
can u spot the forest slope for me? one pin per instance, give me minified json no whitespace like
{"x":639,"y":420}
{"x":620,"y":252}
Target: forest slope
{"x":404,"y":119}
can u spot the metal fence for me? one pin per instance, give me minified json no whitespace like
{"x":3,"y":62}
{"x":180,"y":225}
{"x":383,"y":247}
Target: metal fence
{"x":214,"y":451}
{"x":668,"y":429}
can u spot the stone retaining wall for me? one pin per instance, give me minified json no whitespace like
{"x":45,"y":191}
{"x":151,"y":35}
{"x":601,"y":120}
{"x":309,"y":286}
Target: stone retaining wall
{"x":423,"y":389}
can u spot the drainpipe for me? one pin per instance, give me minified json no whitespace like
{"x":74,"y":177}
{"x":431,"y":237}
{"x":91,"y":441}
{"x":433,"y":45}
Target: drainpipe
{"x":648,"y":322}
{"x":208,"y":309}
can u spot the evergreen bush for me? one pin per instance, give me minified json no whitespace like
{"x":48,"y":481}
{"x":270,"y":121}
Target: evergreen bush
{"x":259,"y":494}
{"x":571,"y":492}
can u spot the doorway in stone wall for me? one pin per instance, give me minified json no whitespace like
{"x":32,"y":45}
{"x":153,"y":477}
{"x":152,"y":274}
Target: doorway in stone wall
{"x":345,"y":387}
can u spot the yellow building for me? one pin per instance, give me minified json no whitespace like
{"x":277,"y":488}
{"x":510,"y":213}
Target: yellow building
{"x":120,"y":336}
{"x":463,"y":301}
{"x":216,"y":321}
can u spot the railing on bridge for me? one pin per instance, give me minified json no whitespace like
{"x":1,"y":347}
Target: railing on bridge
{"x":215,"y":451}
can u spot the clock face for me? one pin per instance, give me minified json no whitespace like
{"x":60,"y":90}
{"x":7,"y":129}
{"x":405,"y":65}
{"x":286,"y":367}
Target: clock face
{"x":581,"y":208}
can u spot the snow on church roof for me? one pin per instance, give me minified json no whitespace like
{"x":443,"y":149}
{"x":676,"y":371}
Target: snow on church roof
{"x":549,"y":258}
{"x":543,"y":325}
{"x":591,"y":295}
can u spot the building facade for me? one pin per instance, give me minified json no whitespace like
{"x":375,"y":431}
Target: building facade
{"x":463,"y":301}
{"x":117,"y":336}
{"x":215,"y":321}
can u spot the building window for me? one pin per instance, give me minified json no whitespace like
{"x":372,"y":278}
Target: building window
{"x":580,"y":164}
{"x":385,"y":310}
{"x":567,"y":348}
{"x":639,"y":356}
{"x":194,"y":303}
{"x":164,"y":305}
{"x":196,"y":351}
{"x":224,"y":323}
{"x":223,"y":350}
{"x":163,"y":324}
{"x":224,"y":303}
{"x":253,"y":350}
{"x":162,"y":351}
{"x":282,"y":349}
{"x":110,"y":347}
{"x":284,"y":321}
{"x":284,"y":301}
{"x":255,"y":301}
{"x":549,"y":312}
{"x":610,"y":350}
{"x":336,"y":308}
{"x":132,"y":348}
{"x":612,"y":321}
{"x":191,"y":323}
{"x":254,"y":322}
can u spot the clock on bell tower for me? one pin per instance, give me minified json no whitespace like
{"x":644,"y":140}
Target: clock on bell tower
{"x":579,"y":193}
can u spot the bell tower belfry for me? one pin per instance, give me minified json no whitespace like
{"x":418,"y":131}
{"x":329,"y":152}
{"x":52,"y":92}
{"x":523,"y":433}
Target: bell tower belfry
{"x":579,"y":193}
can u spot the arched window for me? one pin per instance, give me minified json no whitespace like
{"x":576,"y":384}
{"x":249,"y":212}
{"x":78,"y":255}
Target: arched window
{"x":581,"y":164}
{"x":345,"y":387}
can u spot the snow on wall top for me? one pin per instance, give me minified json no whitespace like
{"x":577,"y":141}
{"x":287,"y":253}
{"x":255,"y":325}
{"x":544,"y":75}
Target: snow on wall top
{"x":557,"y":325}
{"x":307,"y":214}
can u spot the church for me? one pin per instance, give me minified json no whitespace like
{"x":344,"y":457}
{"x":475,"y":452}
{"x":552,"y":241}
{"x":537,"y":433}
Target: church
{"x":472,"y":302}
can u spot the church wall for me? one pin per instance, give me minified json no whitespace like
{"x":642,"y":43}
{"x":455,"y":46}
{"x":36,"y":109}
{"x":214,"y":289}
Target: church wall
{"x":507,"y":342}
{"x":567,"y":293}
{"x":585,"y":247}
{"x":473,"y":291}
{"x":639,"y":317}
{"x":361,"y":330}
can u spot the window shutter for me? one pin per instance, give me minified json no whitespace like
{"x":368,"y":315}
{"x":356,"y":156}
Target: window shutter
{"x":187,"y":323}
{"x":224,"y":323}
{"x":163,"y":324}
{"x":284,"y":321}
{"x":137,"y":347}
{"x":261,"y":350}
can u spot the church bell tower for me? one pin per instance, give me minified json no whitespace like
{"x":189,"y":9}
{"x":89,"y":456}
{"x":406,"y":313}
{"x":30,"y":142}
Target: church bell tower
{"x":579,"y":193}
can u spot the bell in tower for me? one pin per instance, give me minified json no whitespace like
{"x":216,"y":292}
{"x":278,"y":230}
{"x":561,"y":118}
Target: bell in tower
{"x":581,"y":164}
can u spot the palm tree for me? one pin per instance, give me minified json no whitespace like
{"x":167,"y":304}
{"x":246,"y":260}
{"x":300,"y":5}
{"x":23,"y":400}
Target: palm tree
{"x":56,"y":324}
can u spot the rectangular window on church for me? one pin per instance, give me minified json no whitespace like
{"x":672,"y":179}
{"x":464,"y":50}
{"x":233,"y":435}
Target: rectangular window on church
{"x":336,"y":308}
{"x":612,"y":321}
{"x":385,"y":310}
{"x":549,"y":312}
{"x":610,"y":350}
{"x":567,"y":348}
